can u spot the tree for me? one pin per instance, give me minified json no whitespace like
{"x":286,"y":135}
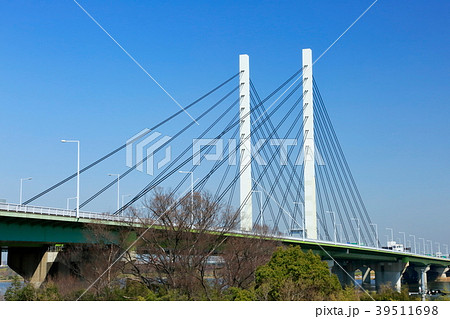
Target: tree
{"x":292,"y":274}
{"x":94,"y":263}
{"x":177,"y":253}
{"x":20,"y":291}
{"x":241,"y":257}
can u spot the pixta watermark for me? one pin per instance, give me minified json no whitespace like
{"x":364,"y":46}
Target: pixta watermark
{"x":142,"y":148}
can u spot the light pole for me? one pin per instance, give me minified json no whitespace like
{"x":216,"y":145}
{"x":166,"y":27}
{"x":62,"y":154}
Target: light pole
{"x":68,"y":201}
{"x":334,"y":223}
{"x":118,"y":189}
{"x":359,"y":231}
{"x":192,"y":188}
{"x":123,"y":196}
{"x":304,"y":220}
{"x":302,"y":205}
{"x":260,"y":208}
{"x":376,"y":234}
{"x":404,"y":238}
{"x":21,"y":188}
{"x":439,"y":249}
{"x":340,"y":232}
{"x":431,"y":247}
{"x":424,"y":247}
{"x":78,"y":173}
{"x":392,"y":233}
{"x":414,"y":236}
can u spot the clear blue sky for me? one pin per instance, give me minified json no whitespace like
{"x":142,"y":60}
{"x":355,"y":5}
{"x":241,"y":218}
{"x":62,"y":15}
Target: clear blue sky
{"x":385,"y":83}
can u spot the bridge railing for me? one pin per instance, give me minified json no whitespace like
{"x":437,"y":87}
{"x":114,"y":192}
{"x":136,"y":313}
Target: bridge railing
{"x":58,"y":212}
{"x":103,"y":216}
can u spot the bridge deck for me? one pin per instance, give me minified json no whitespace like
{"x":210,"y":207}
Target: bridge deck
{"x":25,"y":225}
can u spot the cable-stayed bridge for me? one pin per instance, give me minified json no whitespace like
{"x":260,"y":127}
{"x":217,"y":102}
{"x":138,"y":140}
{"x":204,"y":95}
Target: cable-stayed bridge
{"x":275,"y":161}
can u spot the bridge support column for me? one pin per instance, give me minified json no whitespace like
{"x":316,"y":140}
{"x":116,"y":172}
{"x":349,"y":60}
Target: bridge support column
{"x":345,"y":272}
{"x":245,"y":154}
{"x":32,"y":263}
{"x":365,"y":275}
{"x":436,"y":273}
{"x":330,"y":264}
{"x":309,"y":147}
{"x":3,"y":261}
{"x":423,"y":282}
{"x":442,"y":273}
{"x":390,"y":273}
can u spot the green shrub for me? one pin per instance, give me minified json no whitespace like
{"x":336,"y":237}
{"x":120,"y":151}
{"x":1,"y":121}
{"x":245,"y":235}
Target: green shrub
{"x":292,"y":274}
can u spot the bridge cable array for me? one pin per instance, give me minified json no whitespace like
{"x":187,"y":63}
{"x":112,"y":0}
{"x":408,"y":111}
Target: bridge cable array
{"x":280,"y":183}
{"x":162,"y":146}
{"x":335,"y":179}
{"x":235,"y":123}
{"x":101,"y":159}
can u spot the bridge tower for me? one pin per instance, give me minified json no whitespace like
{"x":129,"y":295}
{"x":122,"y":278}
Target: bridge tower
{"x":245,"y":180}
{"x":309,"y":147}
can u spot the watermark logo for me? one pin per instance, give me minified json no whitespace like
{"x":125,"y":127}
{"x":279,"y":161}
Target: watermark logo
{"x":142,"y":148}
{"x":143,"y":157}
{"x":214,"y":150}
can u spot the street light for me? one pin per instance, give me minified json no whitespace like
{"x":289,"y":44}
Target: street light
{"x":424,"y":247}
{"x":431,"y":247}
{"x":334,"y":223}
{"x":123,"y":196}
{"x":340,"y":232}
{"x":359,"y":231}
{"x":302,"y":206}
{"x":21,"y":188}
{"x":68,"y":201}
{"x":404,"y":238}
{"x":192,"y":188}
{"x":392,"y":233}
{"x":439,"y":249}
{"x":78,"y":173}
{"x":118,"y":189}
{"x":414,"y":243}
{"x":260,"y":208}
{"x":376,"y":234}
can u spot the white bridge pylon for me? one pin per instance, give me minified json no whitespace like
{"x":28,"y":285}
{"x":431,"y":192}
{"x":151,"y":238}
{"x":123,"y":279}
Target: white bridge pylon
{"x":245,"y":155}
{"x":245,"y":180}
{"x":309,"y":147}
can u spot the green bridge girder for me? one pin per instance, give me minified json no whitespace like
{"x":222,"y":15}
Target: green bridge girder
{"x":25,"y":229}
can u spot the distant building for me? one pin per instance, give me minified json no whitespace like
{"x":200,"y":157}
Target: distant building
{"x":392,"y":245}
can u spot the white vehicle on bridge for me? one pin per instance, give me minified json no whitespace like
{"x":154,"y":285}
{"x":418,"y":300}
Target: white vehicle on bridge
{"x":392,"y":245}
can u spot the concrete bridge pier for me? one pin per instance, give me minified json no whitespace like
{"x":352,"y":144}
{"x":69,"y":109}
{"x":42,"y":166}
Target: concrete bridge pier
{"x":365,"y":274}
{"x":390,"y":273}
{"x":423,"y":282}
{"x":32,"y":263}
{"x":3,"y":262}
{"x":441,"y":272}
{"x":345,"y":272}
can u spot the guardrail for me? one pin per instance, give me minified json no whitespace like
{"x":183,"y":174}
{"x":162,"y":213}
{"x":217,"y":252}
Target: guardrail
{"x":58,"y":212}
{"x":102,"y":216}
